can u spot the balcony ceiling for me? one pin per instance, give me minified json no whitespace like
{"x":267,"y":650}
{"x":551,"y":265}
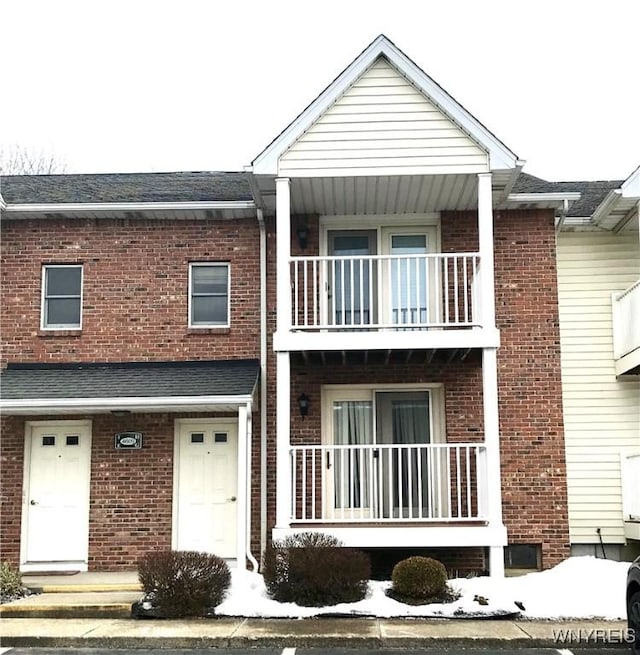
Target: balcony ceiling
{"x":412,"y":194}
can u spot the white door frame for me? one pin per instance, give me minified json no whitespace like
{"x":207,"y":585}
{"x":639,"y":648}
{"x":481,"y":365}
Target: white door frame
{"x":58,"y":566}
{"x":243,"y":477}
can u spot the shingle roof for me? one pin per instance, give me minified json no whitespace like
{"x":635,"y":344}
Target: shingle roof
{"x":131,"y":379}
{"x":125,"y":187}
{"x":593,"y":192}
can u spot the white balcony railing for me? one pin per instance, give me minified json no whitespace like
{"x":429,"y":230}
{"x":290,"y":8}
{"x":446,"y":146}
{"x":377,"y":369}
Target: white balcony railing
{"x":626,"y":321}
{"x":388,"y":482}
{"x":631,"y":487}
{"x":385,"y":292}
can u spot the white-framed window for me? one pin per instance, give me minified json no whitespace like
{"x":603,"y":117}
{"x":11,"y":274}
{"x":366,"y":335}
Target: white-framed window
{"x":61,"y":297}
{"x":209,"y":285}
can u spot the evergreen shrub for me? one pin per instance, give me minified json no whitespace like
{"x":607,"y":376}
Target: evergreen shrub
{"x":314,"y":569}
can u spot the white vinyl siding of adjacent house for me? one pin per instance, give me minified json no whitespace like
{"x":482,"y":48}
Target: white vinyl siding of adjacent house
{"x":383,"y":125}
{"x":601,"y":413}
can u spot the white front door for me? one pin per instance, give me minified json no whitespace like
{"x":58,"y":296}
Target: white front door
{"x":56,"y":507}
{"x":206,"y":478}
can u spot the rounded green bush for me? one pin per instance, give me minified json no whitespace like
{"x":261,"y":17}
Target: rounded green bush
{"x":419,"y":578}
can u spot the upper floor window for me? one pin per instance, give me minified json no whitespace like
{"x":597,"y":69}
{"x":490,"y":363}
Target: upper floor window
{"x":62,"y":296}
{"x":209,"y":295}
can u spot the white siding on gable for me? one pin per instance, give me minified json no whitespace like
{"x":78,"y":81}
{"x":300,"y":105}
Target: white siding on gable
{"x":383,"y":126}
{"x":601,"y":413}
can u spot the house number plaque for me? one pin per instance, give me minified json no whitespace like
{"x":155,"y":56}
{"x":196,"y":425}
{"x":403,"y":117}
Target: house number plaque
{"x":128,"y":440}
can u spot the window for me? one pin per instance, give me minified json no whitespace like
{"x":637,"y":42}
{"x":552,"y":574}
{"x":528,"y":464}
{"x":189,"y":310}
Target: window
{"x":208,"y":295}
{"x":61,"y":297}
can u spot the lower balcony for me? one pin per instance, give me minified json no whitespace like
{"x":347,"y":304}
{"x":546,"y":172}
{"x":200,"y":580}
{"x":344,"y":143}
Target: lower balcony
{"x":389,"y":495}
{"x":626,"y":334}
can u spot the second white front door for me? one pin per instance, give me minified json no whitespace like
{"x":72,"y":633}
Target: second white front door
{"x":206,"y":471}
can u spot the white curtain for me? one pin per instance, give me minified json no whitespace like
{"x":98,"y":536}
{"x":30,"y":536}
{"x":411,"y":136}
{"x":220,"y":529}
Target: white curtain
{"x":411,"y":426}
{"x":353,"y":426}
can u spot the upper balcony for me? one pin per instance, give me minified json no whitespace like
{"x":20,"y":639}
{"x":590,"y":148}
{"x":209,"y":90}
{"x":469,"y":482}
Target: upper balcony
{"x":391,"y":301}
{"x":389,"y":280}
{"x":626,"y":330}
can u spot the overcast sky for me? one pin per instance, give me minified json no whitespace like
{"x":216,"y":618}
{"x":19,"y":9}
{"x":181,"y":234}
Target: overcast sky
{"x":136,"y":85}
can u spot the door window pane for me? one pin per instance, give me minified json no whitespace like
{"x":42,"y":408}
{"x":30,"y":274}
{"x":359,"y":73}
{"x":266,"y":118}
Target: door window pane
{"x":409,"y":279}
{"x":352,"y":425}
{"x":353,"y":279}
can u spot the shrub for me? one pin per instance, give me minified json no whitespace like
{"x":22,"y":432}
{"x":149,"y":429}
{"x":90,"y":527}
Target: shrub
{"x":184,"y":583}
{"x":313,"y":570}
{"x":10,"y":582}
{"x":419,"y":578}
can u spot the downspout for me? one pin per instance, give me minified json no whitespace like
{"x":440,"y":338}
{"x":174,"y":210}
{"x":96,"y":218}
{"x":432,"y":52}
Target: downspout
{"x":248,"y":552}
{"x":563,"y":215}
{"x":263,"y":381}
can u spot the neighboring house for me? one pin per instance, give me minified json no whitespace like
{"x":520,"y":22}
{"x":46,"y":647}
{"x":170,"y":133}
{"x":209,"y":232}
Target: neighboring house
{"x":358,"y":335}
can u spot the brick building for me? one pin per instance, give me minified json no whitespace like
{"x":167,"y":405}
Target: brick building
{"x":359,"y":335}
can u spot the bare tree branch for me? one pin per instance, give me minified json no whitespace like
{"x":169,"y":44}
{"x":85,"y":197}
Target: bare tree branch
{"x":21,"y":160}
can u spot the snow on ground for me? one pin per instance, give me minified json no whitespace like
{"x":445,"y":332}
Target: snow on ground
{"x":579,"y":587}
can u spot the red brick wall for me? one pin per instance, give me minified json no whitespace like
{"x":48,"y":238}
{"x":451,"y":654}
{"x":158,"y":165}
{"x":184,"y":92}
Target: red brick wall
{"x":135,"y":289}
{"x":134,"y":309}
{"x":534,"y":495}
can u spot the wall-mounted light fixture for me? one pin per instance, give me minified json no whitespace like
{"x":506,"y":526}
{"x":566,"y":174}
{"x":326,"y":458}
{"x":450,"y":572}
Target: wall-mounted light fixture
{"x":303,"y":404}
{"x":303,"y":235}
{"x":120,"y":412}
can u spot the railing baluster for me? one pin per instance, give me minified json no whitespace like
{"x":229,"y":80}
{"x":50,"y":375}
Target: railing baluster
{"x":458,"y":483}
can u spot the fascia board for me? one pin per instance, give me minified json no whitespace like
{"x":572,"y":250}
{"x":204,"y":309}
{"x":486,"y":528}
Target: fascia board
{"x":266,"y":163}
{"x":70,"y":207}
{"x":528,"y":198}
{"x":98,"y":404}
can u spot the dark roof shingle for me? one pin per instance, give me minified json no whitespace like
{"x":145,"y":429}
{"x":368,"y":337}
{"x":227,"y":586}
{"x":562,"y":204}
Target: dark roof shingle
{"x":125,"y":187}
{"x":131,"y":379}
{"x":592,"y":192}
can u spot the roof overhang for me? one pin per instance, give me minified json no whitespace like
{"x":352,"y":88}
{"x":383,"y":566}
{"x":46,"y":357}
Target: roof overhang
{"x":620,"y":206}
{"x":150,"y":404}
{"x":500,"y":157}
{"x":203,"y":209}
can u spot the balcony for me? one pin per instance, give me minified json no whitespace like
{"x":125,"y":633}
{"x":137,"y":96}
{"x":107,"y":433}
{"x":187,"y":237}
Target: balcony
{"x":388,"y":484}
{"x":626,"y":330}
{"x":387,"y":301}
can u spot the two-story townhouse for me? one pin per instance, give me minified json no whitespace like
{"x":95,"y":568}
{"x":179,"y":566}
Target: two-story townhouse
{"x":383,"y":271}
{"x":131,"y":335}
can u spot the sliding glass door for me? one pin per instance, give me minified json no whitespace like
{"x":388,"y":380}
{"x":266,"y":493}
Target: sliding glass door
{"x":377,"y":465}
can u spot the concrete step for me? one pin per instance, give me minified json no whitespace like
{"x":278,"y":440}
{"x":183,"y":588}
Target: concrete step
{"x":72,"y":605}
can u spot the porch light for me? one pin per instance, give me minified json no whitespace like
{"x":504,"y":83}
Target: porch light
{"x":303,"y":404}
{"x":303,"y":236}
{"x":120,"y":412}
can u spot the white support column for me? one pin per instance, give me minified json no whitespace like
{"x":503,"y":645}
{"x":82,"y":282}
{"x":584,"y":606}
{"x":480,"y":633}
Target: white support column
{"x":283,"y":440}
{"x":492,"y":440}
{"x":242,"y":500}
{"x":283,"y":254}
{"x":485,"y":239}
